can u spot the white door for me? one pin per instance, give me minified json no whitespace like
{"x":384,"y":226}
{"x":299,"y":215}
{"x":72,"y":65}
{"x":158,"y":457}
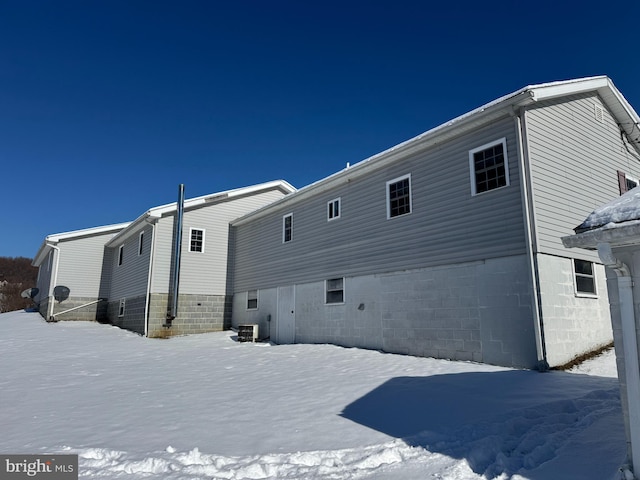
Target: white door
{"x":286,"y":321}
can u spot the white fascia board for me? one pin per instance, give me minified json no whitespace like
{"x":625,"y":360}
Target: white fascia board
{"x":546,"y":91}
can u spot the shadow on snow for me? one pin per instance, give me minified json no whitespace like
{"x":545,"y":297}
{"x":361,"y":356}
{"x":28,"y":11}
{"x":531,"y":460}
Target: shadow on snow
{"x":501,"y":422}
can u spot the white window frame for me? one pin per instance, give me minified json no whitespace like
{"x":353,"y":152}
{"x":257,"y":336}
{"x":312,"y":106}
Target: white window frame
{"x":191,"y":230}
{"x":326,"y":291}
{"x":472,"y":168}
{"x":121,"y":255}
{"x":578,"y":293}
{"x":331,"y":204}
{"x":397,"y":180}
{"x":284,"y":228}
{"x":140,"y":242}
{"x":121,"y":307}
{"x":250,"y":297}
{"x":628,"y":178}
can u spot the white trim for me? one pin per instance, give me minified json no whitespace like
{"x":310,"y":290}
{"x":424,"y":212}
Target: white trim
{"x":633,"y":179}
{"x":251,"y":309}
{"x":575,"y":279}
{"x":284,"y":217}
{"x":330,"y":209}
{"x":326,"y":291}
{"x":397,"y":180}
{"x":472,"y":169}
{"x":191,"y":229}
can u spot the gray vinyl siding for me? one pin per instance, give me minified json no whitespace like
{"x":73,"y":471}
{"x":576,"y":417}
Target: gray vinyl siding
{"x":130,"y":279}
{"x":574,"y":161}
{"x":203,"y":273}
{"x":447,"y":224}
{"x":80,"y":265}
{"x":44,"y":276}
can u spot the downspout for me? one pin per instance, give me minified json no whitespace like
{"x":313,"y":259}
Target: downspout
{"x":53,"y":280}
{"x":532,"y":241}
{"x":150,"y":276}
{"x":177,"y":252}
{"x":629,"y":345}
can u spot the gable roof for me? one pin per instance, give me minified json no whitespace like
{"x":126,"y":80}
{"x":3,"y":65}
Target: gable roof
{"x":625,"y":115}
{"x":51,"y":240}
{"x":198,"y":202}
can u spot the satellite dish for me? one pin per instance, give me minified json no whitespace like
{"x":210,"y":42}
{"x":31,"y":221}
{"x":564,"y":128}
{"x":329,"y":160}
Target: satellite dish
{"x":29,"y":293}
{"x":61,"y":293}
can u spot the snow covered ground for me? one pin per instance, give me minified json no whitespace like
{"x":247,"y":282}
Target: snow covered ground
{"x":207,"y":407}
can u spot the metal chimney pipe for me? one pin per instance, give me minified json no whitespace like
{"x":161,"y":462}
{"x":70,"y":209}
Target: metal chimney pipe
{"x":177,"y":253}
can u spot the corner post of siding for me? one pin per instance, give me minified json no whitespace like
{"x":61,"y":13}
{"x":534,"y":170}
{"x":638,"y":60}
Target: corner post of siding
{"x":526,"y":192}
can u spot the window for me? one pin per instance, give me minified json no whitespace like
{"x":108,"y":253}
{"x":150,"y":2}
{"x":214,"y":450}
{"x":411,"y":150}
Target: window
{"x":625,"y":182}
{"x":489,"y":167}
{"x":196,"y":240}
{"x":333,"y":209}
{"x":120,"y":254}
{"x":334,"y":290}
{"x":252,"y":300}
{"x":399,"y":196}
{"x":140,"y":243}
{"x":287,"y":228}
{"x":121,"y":308}
{"x":585,"y":277}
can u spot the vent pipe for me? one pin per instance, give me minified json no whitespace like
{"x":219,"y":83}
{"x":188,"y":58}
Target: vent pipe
{"x":177,"y":253}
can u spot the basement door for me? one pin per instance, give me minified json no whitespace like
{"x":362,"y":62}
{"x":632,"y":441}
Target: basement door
{"x":286,"y":321}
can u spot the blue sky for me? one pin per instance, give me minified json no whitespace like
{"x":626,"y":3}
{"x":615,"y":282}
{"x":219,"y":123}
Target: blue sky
{"x":106,"y":106}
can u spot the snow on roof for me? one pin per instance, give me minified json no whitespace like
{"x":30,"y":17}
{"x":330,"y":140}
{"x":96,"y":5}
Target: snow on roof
{"x":622,"y":209}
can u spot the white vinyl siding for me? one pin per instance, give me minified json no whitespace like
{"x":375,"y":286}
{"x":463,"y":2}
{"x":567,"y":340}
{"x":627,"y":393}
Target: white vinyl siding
{"x":574,"y":159}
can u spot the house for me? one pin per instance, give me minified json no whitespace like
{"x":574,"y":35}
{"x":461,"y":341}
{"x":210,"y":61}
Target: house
{"x":613,"y":230}
{"x":73,"y":262}
{"x":448,"y":245}
{"x":139,"y":263}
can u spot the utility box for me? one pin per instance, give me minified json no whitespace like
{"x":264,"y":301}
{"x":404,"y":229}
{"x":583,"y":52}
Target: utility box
{"x":248,"y":332}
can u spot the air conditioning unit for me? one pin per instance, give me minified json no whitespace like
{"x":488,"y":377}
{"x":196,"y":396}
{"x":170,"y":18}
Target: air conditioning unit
{"x":248,"y":332}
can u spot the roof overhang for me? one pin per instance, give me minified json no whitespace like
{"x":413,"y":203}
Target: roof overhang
{"x":154,"y":214}
{"x":507,"y":105}
{"x":616,"y":235}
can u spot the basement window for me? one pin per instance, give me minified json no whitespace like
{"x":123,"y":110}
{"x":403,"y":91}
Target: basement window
{"x":121,"y":308}
{"x":334,"y":291}
{"x":585,"y":278}
{"x":252,"y":300}
{"x":489,"y":167}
